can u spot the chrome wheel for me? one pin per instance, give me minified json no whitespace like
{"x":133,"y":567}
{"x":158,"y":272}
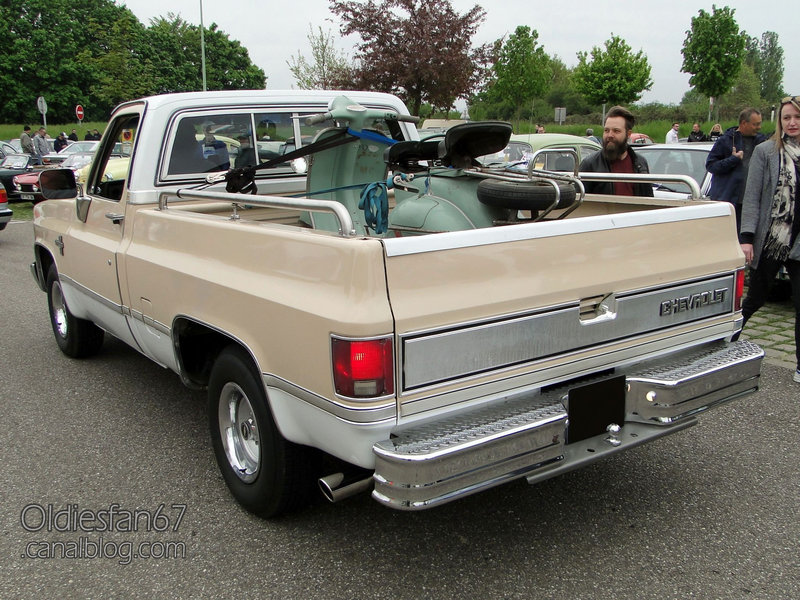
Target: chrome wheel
{"x":59,"y":311}
{"x":239,"y":432}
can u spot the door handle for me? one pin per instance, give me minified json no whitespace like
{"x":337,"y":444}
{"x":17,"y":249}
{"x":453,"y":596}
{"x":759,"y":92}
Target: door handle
{"x":116,"y":218}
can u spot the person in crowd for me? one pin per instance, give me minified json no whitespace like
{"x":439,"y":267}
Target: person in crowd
{"x":770,"y":232}
{"x":26,"y":142}
{"x":672,"y":134}
{"x":617,"y":157}
{"x":40,"y":144}
{"x":73,"y":136}
{"x":729,"y":159}
{"x":590,"y":135}
{"x":697,"y":135}
{"x":60,"y":142}
{"x":715,"y":133}
{"x":539,"y":128}
{"x":247,"y":154}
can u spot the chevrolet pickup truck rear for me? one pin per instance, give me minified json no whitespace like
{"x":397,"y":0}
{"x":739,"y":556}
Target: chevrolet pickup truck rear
{"x":398,"y":319}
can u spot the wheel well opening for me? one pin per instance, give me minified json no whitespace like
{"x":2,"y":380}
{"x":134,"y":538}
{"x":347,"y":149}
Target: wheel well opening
{"x":197,"y":346}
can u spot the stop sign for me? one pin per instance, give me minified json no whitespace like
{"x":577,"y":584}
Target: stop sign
{"x":79,"y":112}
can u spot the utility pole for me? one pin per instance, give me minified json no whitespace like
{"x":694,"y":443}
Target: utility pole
{"x":202,"y":47}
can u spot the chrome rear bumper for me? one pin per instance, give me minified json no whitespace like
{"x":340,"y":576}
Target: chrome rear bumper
{"x":526,"y":435}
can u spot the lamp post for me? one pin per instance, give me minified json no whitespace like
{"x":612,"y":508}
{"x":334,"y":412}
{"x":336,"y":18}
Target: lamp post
{"x":202,"y":47}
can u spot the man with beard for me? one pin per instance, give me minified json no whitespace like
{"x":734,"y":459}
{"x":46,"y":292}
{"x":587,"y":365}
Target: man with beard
{"x":617,"y":157}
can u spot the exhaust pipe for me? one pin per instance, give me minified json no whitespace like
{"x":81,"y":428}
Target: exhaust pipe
{"x":339,"y":486}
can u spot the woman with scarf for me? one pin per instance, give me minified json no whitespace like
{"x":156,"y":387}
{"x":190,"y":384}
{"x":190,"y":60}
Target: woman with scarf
{"x":770,"y":219}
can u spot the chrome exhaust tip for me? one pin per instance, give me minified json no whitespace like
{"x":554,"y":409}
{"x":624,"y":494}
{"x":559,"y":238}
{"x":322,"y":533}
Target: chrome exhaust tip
{"x":339,"y":486}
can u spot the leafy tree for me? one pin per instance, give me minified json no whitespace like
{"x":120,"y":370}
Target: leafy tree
{"x":614,"y":75}
{"x":745,"y":91}
{"x":522,"y":69}
{"x":713,"y":51}
{"x":175,"y":57}
{"x":96,"y":53}
{"x":765,"y":57}
{"x":420,"y":50}
{"x":328,"y":68}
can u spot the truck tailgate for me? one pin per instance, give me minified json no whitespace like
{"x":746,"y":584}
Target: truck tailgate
{"x":542,"y":303}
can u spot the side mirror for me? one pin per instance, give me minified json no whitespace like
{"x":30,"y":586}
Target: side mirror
{"x":58,"y":184}
{"x":299,"y":166}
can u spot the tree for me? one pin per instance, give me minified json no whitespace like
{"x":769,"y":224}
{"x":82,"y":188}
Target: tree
{"x":522,"y":69}
{"x":328,"y":68}
{"x":745,"y":91}
{"x":174,"y":55}
{"x":713,"y":51}
{"x":614,"y":76}
{"x":420,"y":50}
{"x":97,"y":54}
{"x":766,"y":60}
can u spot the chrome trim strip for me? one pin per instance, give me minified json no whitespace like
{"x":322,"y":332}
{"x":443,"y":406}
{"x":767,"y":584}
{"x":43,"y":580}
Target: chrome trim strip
{"x":371,"y":415}
{"x":118,"y":308}
{"x":149,"y":321}
{"x":432,"y":358}
{"x":528,"y":231}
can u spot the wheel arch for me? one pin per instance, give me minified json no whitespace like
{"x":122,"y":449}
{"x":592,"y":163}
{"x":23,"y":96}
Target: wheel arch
{"x":197,"y":345}
{"x":43,"y":261}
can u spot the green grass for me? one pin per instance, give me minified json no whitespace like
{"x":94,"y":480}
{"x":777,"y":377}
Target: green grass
{"x":23,"y":211}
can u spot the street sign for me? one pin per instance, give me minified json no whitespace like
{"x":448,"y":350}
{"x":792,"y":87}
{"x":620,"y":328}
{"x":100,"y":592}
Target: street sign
{"x":41,"y":104}
{"x":79,"y":112}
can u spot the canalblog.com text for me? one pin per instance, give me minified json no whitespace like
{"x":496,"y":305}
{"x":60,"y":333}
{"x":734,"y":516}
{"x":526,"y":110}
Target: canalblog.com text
{"x":96,"y":548}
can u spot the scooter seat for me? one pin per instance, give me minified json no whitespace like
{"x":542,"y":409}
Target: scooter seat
{"x":406,"y":156}
{"x":463,"y":143}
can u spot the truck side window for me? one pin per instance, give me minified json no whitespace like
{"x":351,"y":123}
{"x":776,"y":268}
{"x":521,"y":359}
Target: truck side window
{"x":114,"y":156}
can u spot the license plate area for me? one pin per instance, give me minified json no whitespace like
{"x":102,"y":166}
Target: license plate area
{"x":26,"y":196}
{"x":592,"y":407}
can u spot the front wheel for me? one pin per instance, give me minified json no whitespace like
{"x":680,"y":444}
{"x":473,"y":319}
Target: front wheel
{"x":264,"y":472}
{"x":77,"y":338}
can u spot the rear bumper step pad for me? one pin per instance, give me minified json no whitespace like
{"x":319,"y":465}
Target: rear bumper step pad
{"x":525,"y":435}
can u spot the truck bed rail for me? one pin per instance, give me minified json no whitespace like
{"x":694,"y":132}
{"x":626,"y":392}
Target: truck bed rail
{"x":346,"y":227}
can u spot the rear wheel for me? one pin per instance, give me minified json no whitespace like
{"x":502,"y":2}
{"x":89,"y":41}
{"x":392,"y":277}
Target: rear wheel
{"x":265,"y":473}
{"x":77,"y":338}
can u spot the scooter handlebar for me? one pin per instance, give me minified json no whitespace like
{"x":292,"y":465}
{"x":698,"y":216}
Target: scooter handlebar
{"x":318,"y":118}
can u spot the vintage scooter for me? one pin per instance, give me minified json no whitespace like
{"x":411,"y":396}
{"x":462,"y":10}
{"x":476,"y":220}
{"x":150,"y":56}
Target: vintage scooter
{"x":438,"y":183}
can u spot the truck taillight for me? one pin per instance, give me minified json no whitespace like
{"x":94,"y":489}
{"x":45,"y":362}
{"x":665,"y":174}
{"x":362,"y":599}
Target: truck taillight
{"x":363,"y":368}
{"x":737,"y":300}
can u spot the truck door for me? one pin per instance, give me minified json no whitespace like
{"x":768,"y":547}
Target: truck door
{"x":89,"y":266}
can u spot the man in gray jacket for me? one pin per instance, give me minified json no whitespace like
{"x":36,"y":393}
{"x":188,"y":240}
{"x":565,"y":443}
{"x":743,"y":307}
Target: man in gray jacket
{"x":40,"y":145}
{"x":26,"y":142}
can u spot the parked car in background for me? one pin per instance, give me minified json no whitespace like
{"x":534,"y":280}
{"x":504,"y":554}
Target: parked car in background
{"x":7,"y":149}
{"x":640,"y":139}
{"x":5,"y":212}
{"x":26,"y":185}
{"x":12,"y":165}
{"x":678,"y":159}
{"x":554,"y":151}
{"x":55,"y":158}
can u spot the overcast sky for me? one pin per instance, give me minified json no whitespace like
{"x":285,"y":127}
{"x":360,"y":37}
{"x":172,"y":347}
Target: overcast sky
{"x":273,"y":32}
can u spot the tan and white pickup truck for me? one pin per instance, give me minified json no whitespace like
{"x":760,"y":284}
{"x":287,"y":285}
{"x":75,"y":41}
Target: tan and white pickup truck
{"x":472,"y":326}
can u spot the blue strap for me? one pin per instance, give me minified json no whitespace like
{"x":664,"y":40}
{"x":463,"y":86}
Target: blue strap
{"x":374,"y":202}
{"x":372,"y":136}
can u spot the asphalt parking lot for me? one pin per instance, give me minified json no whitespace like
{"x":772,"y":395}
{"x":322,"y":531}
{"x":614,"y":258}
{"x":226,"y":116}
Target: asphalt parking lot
{"x":708,"y":513}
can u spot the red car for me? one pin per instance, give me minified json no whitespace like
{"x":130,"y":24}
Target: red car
{"x":26,"y":188}
{"x":5,"y":212}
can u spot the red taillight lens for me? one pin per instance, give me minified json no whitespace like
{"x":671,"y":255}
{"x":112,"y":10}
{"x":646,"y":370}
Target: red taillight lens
{"x":3,"y":195}
{"x":363,"y":368}
{"x":737,"y":300}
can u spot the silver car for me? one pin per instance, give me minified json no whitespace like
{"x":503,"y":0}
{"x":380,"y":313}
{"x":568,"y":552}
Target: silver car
{"x":678,"y":159}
